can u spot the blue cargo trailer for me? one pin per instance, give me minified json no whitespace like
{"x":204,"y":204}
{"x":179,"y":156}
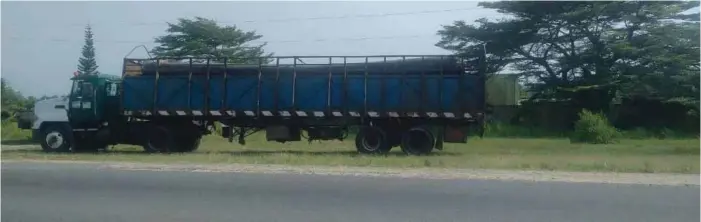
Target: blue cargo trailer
{"x":393,"y":100}
{"x":304,"y":92}
{"x":168,"y":104}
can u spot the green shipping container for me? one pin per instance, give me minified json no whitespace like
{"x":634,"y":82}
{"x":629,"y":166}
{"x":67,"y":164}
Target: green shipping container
{"x":503,"y":90}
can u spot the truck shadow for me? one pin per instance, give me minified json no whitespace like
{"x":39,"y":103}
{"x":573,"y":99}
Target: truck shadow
{"x":314,"y":153}
{"x":251,"y":153}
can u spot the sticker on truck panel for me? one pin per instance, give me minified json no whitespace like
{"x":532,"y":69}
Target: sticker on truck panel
{"x":112,"y":89}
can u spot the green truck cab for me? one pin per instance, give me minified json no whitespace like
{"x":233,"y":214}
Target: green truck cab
{"x":70,"y":123}
{"x":94,"y":100}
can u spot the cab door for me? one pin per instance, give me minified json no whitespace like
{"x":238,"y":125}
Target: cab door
{"x":82,"y":113}
{"x":109,"y":101}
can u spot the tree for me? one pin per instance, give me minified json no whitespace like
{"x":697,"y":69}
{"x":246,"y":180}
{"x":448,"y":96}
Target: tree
{"x":664,"y":63}
{"x":588,"y":52}
{"x":87,"y":65}
{"x":12,"y":100}
{"x":202,"y":37}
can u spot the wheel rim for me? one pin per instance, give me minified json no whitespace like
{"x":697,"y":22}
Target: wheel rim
{"x":54,"y":140}
{"x":371,"y":141}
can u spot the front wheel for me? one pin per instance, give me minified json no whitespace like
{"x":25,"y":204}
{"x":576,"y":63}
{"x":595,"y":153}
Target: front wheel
{"x":56,"y":138}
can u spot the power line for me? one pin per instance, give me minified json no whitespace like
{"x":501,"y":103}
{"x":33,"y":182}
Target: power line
{"x":255,"y":41}
{"x":131,"y":23}
{"x":363,"y":15}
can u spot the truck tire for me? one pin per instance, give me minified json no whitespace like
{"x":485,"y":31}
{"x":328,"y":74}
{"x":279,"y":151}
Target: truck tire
{"x":188,"y":144}
{"x":418,"y":141}
{"x":372,"y":140}
{"x":56,"y":138}
{"x":160,"y":139}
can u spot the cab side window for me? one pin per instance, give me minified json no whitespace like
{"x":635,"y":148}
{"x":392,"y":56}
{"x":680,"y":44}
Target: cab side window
{"x":77,"y":86}
{"x":86,"y":90}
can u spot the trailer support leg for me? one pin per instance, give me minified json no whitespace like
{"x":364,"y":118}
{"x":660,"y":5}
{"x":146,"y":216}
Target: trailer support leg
{"x":242,"y":135}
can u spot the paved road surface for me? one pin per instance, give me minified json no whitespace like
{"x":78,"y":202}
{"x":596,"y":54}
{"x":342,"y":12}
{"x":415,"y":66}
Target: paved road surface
{"x":82,"y":192}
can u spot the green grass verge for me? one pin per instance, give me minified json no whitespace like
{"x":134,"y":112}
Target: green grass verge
{"x":645,"y":155}
{"x":12,"y":135}
{"x":629,"y":155}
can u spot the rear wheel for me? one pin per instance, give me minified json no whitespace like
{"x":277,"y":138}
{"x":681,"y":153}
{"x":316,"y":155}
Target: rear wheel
{"x":56,"y":138}
{"x":418,"y":141}
{"x":188,"y":143}
{"x":372,"y":140}
{"x":160,"y":140}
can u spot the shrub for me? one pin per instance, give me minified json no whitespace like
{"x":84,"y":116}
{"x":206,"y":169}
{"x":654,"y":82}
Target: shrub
{"x":594,"y":128}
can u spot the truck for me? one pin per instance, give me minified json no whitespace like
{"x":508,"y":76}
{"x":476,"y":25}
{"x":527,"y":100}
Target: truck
{"x":165,"y":105}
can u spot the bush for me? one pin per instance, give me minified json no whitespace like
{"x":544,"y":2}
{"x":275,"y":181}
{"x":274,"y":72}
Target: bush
{"x":594,"y":128}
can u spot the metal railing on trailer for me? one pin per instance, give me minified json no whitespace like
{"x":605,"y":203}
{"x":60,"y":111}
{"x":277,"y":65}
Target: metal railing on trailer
{"x":204,"y":66}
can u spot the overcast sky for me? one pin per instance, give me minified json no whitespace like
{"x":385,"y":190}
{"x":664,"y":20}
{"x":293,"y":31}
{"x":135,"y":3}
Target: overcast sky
{"x":41,"y":41}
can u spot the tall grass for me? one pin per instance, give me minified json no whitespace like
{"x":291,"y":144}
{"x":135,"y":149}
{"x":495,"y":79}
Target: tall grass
{"x":10,"y":131}
{"x":663,"y":133}
{"x":502,"y":130}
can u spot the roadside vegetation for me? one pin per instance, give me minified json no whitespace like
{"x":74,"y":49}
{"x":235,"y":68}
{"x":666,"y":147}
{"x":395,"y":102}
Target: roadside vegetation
{"x":610,"y":86}
{"x":524,"y":152}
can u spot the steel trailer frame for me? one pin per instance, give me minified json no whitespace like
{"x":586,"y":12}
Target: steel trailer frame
{"x":474,"y":66}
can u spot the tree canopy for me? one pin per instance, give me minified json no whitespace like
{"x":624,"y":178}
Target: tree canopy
{"x":593,"y":52}
{"x":201,"y":37}
{"x":87,"y":65}
{"x":12,"y":100}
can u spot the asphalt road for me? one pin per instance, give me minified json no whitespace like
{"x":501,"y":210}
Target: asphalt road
{"x":79,"y":192}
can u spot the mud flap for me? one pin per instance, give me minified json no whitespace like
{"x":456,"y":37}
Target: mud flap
{"x":455,"y":134}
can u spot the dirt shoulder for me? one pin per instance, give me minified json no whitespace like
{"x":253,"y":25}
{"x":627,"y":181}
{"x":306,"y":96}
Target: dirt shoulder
{"x":427,"y":173}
